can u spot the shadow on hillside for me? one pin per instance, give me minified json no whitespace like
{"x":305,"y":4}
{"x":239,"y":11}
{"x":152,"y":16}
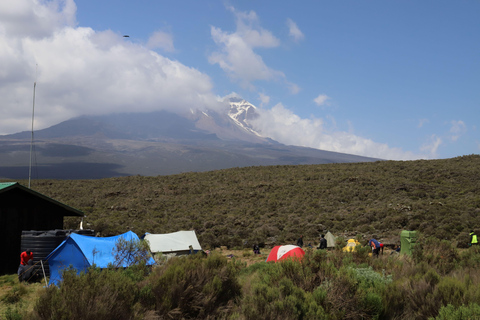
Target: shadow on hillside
{"x":74,"y":170}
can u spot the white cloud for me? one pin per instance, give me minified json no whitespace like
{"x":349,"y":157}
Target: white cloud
{"x":321,"y":99}
{"x":236,"y":55}
{"x":457,"y":129}
{"x":293,"y":88}
{"x":431,"y":146}
{"x":294,"y":31}
{"x":238,"y":59}
{"x":248,"y":27}
{"x":81,"y":71}
{"x":264,"y":99}
{"x":34,"y":18}
{"x":161,"y":40}
{"x":281,"y":124}
{"x":421,"y":122}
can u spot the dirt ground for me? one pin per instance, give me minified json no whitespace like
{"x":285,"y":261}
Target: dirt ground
{"x":245,"y":255}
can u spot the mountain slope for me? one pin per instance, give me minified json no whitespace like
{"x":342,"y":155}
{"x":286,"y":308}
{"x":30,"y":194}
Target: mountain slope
{"x":157,"y":143}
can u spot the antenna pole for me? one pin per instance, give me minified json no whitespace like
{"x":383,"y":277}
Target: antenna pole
{"x":31,"y":142}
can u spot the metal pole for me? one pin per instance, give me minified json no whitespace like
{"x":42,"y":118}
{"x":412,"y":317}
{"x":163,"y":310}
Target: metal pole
{"x":44,"y":276}
{"x":31,"y":142}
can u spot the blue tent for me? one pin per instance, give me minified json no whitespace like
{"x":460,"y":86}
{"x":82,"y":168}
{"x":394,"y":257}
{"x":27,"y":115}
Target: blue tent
{"x":80,"y":252}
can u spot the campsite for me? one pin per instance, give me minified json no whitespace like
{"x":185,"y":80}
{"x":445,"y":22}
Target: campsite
{"x":230,"y":210}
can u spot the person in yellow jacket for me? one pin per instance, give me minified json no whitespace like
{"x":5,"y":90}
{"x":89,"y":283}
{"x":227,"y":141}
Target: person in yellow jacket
{"x":473,"y":238}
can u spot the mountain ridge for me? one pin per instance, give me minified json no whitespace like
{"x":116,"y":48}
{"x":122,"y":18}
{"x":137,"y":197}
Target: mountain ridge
{"x":156,"y":143}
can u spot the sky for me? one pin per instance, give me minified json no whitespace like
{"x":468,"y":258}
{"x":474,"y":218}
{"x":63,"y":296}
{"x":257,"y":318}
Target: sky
{"x":396,"y":80}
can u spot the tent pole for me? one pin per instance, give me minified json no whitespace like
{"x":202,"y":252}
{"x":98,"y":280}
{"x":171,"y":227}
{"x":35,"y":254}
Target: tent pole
{"x":44,"y":276}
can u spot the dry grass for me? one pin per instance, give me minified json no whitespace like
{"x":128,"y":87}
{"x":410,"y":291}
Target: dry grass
{"x":17,"y":296}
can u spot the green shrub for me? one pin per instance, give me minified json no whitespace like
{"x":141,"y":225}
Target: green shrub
{"x":131,"y":252}
{"x":340,"y":243}
{"x":450,"y":291}
{"x":372,"y":304}
{"x":276,"y":291}
{"x":195,"y":287}
{"x":438,"y":253}
{"x":12,"y":314}
{"x":449,"y":312}
{"x":470,"y":258}
{"x":368,"y":278}
{"x":463,"y":240}
{"x":97,"y":294}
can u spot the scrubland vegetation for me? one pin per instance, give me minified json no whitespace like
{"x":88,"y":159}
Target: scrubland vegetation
{"x":272,"y":206}
{"x":437,"y":282}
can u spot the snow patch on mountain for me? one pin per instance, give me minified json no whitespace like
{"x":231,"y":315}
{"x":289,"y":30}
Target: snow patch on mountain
{"x":241,"y":112}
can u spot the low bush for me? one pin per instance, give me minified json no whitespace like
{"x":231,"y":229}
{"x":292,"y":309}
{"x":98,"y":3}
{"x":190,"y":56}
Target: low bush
{"x":276,"y":293}
{"x":449,"y":312}
{"x":97,"y":294}
{"x":195,"y":287}
{"x":323,"y":285}
{"x":12,"y":314}
{"x":438,"y":253}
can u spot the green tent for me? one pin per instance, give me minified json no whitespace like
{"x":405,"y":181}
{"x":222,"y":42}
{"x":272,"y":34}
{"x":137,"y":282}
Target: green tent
{"x":407,"y":241}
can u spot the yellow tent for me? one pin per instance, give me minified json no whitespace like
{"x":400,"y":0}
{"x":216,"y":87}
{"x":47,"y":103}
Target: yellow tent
{"x":351,"y":244}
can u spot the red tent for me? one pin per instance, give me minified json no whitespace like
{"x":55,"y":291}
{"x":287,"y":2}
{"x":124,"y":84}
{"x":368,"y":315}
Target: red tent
{"x":284,"y":252}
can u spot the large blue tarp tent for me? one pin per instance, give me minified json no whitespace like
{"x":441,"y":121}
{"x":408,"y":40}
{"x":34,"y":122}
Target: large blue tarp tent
{"x":80,"y":252}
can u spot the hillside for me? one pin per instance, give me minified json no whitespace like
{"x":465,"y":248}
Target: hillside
{"x":276,"y":204}
{"x":152,"y":144}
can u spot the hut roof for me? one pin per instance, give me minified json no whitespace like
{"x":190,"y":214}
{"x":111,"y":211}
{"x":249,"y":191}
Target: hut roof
{"x":8,"y":186}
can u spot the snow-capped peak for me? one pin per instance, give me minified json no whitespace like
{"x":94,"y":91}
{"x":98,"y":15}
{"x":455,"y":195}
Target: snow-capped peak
{"x":242,"y":112}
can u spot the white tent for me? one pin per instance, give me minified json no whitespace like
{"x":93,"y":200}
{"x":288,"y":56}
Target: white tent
{"x":177,"y":242}
{"x":330,"y":240}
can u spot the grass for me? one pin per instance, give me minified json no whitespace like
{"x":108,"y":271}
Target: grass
{"x":17,"y":298}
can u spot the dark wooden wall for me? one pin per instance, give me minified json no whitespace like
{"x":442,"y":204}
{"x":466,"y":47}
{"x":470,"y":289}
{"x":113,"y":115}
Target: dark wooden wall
{"x":20,"y":210}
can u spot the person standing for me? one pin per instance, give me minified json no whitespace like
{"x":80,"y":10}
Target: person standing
{"x":473,"y":238}
{"x":300,"y":241}
{"x":25,"y":257}
{"x":323,"y":242}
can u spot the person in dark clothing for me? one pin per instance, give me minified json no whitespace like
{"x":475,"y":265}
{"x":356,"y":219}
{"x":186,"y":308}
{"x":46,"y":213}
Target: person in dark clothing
{"x":323,"y":242}
{"x":256,"y":249}
{"x":300,"y":241}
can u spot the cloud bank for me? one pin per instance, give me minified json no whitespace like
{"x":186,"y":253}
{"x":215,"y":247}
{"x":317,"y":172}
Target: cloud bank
{"x":81,"y":71}
{"x":281,"y":124}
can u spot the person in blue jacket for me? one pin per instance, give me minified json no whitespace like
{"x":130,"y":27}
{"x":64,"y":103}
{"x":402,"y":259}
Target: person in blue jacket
{"x":375,"y":245}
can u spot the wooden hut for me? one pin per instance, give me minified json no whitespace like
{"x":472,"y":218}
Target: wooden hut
{"x":22,"y":208}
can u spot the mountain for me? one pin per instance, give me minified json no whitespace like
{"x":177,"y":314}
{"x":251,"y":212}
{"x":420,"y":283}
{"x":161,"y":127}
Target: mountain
{"x":150,"y":144}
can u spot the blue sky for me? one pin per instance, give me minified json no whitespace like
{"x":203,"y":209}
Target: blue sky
{"x":387,"y":79}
